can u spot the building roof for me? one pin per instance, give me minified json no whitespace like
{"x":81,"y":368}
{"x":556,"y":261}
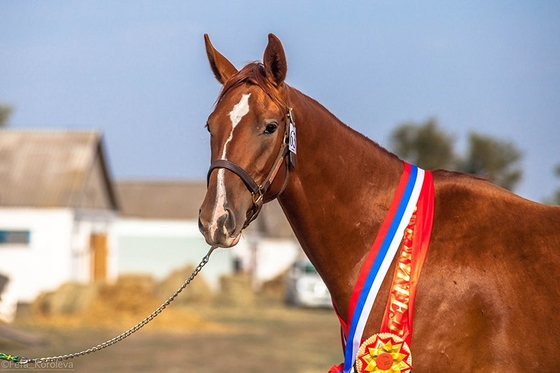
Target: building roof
{"x":149,"y":199}
{"x":181,"y":200}
{"x":45,"y":168}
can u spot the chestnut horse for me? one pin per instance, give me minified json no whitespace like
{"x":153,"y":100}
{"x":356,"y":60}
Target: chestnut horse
{"x":488,"y":298}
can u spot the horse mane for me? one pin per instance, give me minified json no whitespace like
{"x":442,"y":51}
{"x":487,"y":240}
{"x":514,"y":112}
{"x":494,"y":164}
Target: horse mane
{"x":254,"y":74}
{"x":448,"y":173}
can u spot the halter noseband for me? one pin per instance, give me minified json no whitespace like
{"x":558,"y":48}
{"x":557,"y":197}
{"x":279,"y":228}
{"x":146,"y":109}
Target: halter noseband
{"x":258,"y":191}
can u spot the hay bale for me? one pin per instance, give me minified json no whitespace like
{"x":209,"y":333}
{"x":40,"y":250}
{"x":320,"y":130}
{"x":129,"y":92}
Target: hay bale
{"x":129,"y":294}
{"x":69,"y":298}
{"x":113,"y":306}
{"x":236,"y":290}
{"x":198,"y":290}
{"x":128,"y":300}
{"x":276,"y":286}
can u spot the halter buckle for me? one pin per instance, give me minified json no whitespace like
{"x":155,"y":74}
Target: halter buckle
{"x":258,"y":197}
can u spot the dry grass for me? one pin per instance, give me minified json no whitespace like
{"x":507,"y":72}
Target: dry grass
{"x":235,"y":330}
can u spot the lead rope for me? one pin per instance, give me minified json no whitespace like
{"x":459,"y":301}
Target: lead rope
{"x":120,"y":337}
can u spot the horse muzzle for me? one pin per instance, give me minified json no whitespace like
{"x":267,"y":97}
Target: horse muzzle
{"x":219,"y":230}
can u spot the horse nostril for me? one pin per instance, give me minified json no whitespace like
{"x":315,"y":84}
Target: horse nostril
{"x":200,"y":226}
{"x":229,"y":221}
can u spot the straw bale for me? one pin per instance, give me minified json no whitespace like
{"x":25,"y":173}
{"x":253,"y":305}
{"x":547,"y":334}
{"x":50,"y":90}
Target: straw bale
{"x":236,"y":291}
{"x":198,"y":291}
{"x":114,"y":306}
{"x":275,"y":286}
{"x":69,"y":298}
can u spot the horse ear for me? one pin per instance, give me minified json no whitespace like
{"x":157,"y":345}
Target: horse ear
{"x":274,"y":59}
{"x":221,"y":67}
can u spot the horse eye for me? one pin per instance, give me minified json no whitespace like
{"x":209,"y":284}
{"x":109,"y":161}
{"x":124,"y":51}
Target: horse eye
{"x":271,"y":128}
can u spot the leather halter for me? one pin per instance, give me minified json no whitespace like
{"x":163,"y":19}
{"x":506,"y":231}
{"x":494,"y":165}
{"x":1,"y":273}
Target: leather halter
{"x":258,"y":191}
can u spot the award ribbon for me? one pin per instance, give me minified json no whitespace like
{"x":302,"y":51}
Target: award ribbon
{"x":414,"y":182}
{"x":400,"y":307}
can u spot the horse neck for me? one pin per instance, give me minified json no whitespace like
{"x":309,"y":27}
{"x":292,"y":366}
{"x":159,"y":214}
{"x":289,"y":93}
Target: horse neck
{"x":337,"y":194}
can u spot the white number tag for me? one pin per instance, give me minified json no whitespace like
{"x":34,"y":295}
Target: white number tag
{"x":292,"y":146}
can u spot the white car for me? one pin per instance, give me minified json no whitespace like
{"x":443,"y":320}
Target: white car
{"x":305,"y":288}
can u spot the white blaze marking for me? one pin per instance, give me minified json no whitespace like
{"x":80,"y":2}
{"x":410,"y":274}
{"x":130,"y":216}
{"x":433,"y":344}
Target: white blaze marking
{"x":235,"y":115}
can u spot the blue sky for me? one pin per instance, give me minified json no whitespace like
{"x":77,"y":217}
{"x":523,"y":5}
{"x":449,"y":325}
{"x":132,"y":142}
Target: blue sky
{"x":137,"y":71}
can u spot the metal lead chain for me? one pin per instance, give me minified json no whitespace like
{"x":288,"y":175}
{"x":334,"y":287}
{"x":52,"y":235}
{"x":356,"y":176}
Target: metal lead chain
{"x":120,"y":337}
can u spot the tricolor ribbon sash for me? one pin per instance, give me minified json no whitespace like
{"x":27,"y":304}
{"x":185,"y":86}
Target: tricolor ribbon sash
{"x":414,"y":194}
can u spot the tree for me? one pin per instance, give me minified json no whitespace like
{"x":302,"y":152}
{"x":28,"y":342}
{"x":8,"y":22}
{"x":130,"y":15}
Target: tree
{"x":496,"y":159}
{"x":5,"y":113}
{"x":555,"y":200}
{"x":429,"y":147}
{"x":424,"y":145}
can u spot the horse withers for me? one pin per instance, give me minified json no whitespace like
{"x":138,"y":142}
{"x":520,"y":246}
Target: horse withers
{"x":488,"y":297}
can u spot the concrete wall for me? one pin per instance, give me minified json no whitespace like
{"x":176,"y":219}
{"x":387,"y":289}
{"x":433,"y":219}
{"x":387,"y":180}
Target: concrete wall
{"x":157,"y":247}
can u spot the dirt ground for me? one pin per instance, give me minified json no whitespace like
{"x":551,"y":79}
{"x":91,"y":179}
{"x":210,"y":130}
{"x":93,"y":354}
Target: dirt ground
{"x":265,"y":336}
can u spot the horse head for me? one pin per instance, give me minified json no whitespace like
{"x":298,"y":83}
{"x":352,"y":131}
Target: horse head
{"x":248,"y":138}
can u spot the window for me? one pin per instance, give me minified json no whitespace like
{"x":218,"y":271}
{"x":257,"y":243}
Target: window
{"x":13,"y":237}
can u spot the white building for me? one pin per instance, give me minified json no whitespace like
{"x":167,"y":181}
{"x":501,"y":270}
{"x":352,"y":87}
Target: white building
{"x":57,"y":206}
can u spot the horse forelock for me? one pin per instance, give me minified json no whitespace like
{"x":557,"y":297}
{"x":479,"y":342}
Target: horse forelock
{"x":253,"y":74}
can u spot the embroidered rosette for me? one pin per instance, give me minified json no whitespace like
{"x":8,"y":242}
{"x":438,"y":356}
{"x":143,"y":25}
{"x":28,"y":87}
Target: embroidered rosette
{"x":384,"y":353}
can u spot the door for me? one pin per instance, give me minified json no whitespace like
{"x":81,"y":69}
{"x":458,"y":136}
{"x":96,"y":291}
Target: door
{"x":99,"y":253}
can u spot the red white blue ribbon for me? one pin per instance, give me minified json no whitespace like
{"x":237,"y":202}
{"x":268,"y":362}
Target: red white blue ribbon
{"x":379,"y":260}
